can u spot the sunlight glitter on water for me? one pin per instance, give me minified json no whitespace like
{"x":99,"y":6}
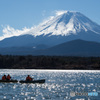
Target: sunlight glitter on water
{"x":58,"y":85}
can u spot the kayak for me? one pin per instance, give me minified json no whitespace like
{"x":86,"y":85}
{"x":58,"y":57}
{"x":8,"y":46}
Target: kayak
{"x":22,"y":81}
{"x":8,"y":81}
{"x":34,"y":81}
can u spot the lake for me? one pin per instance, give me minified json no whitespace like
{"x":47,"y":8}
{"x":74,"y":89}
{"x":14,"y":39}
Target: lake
{"x":59,"y":85}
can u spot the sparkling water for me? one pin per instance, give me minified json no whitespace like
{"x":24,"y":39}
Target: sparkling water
{"x":58,"y":86}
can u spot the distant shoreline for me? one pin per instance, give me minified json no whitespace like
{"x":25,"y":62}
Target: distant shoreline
{"x":52,"y":70}
{"x":49,"y":62}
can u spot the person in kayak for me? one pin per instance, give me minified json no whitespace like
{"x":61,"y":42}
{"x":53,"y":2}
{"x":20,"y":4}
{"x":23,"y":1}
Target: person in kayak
{"x":28,"y":78}
{"x":8,"y":77}
{"x":4,"y":77}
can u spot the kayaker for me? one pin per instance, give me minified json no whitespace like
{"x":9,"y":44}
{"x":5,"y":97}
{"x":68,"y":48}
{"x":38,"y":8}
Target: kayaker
{"x":4,"y":77}
{"x":8,"y":77}
{"x":28,"y":78}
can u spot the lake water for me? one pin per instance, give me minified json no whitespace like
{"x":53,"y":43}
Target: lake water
{"x":59,"y":85}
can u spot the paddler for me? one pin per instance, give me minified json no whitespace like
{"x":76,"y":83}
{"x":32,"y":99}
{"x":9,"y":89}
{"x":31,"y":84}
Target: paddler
{"x":8,"y":77}
{"x":4,"y":77}
{"x":28,"y":78}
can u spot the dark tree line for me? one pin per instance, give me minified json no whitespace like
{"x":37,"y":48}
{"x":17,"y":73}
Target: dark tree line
{"x":48,"y":62}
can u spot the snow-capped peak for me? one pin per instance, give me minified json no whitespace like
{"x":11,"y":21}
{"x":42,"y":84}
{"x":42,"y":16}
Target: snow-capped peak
{"x":66,"y":23}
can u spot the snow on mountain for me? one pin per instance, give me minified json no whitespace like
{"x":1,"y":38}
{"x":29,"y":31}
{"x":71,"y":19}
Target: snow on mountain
{"x":65,"y":24}
{"x":63,"y":27}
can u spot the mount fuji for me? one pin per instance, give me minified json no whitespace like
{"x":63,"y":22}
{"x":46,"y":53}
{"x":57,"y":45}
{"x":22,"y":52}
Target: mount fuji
{"x":59,"y":29}
{"x":68,"y":23}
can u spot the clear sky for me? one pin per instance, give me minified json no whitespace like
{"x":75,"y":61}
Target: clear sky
{"x":26,"y":13}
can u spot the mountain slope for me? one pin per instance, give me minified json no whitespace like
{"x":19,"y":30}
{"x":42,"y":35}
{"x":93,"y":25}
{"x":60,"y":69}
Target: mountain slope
{"x":71,"y":48}
{"x":66,"y":24}
{"x":48,"y":37}
{"x":59,"y":29}
{"x":74,"y":48}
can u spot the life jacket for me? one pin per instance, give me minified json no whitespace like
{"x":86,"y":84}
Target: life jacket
{"x":8,"y":77}
{"x":3,"y":77}
{"x":28,"y":78}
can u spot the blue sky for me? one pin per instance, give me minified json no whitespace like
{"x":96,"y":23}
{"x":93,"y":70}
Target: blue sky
{"x":26,"y":13}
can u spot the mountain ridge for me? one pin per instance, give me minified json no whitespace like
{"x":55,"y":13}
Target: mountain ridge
{"x":75,"y":48}
{"x":60,"y":29}
{"x":72,"y":48}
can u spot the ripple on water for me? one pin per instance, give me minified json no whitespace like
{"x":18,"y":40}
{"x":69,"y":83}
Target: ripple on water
{"x":57,"y":87}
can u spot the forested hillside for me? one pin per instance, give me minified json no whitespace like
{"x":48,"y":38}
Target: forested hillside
{"x":48,"y":62}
